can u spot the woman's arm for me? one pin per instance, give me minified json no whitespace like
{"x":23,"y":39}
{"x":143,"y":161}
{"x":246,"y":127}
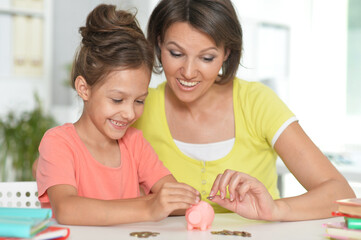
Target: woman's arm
{"x":168,"y":196}
{"x":324,"y":184}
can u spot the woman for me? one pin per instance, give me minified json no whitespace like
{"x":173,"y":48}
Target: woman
{"x":204,"y":121}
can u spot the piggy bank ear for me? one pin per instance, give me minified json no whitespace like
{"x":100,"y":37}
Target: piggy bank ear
{"x":194,"y":217}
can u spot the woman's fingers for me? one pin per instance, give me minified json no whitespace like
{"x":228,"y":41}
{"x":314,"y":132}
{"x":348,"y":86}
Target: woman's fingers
{"x":221,"y":183}
{"x":214,"y":189}
{"x":236,"y":183}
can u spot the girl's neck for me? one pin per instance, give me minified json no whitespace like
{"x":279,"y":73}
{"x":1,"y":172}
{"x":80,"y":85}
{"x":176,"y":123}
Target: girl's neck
{"x":90,"y":135}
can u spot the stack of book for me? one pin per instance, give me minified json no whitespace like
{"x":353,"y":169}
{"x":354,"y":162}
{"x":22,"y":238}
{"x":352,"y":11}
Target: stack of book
{"x":350,"y":228}
{"x":29,"y":223}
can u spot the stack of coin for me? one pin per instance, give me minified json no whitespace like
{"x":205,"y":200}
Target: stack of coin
{"x":144,"y":234}
{"x":234,"y":233}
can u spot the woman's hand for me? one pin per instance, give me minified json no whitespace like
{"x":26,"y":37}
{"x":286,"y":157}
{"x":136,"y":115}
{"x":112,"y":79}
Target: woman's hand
{"x":248,"y":197}
{"x":172,"y":196}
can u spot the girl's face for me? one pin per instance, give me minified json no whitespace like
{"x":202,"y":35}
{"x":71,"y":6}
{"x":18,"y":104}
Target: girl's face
{"x":117,"y":102}
{"x":191,"y":61}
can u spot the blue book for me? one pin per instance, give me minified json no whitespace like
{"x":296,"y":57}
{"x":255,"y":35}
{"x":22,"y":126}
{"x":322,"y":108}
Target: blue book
{"x":23,"y":222}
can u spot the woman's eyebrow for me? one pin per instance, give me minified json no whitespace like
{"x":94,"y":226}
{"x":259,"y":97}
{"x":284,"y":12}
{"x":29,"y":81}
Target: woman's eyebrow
{"x":203,"y":50}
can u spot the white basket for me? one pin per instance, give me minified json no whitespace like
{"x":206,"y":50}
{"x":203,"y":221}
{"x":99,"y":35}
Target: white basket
{"x":19,"y":194}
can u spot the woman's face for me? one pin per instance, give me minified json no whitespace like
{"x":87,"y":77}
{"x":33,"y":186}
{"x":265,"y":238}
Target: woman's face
{"x":191,"y":61}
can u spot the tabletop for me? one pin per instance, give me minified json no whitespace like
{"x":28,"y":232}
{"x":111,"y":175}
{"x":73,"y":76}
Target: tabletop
{"x":176,"y":228}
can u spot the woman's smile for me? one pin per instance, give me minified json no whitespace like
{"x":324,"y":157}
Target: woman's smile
{"x":187,"y":85}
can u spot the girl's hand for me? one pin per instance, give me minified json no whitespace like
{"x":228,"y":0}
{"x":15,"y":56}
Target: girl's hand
{"x":248,"y":197}
{"x":171,"y":197}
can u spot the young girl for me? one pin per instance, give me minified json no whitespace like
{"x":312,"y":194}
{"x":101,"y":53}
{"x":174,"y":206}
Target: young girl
{"x":90,"y":171}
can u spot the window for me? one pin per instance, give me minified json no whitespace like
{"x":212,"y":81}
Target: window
{"x":354,"y":58}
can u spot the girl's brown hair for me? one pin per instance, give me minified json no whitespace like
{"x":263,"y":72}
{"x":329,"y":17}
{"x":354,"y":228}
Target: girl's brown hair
{"x":111,"y":40}
{"x":217,"y":18}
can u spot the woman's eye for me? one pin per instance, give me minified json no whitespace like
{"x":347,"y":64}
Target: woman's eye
{"x":208,"y":59}
{"x":175,"y":54}
{"x":117,"y":100}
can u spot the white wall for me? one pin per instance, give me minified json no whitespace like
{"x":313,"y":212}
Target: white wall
{"x":316,"y":82}
{"x":317,"y":64}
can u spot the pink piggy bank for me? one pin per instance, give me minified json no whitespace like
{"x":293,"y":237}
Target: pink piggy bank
{"x":200,"y":216}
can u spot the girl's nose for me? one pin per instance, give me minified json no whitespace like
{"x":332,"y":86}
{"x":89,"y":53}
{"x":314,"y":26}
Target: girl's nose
{"x":128,"y":112}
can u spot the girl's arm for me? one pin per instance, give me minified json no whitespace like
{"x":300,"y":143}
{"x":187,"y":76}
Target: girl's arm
{"x":167,"y":196}
{"x":324,"y":184}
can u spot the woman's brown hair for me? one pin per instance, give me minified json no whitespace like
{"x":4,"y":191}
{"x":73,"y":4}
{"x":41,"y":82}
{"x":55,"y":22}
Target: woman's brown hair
{"x":111,"y":40}
{"x":216,"y":18}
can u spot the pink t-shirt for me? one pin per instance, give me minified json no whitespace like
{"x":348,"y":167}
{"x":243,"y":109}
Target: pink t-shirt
{"x":64,"y":159}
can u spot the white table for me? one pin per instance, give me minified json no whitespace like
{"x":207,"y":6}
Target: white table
{"x":176,"y":228}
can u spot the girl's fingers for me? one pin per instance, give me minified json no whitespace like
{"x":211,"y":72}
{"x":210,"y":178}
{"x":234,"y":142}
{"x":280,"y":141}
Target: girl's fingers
{"x":173,"y":185}
{"x":180,"y":192}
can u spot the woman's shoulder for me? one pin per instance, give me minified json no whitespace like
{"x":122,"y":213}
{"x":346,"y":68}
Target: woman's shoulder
{"x":249,"y":86}
{"x":156,"y":91}
{"x":252,"y":90}
{"x":153,"y":107}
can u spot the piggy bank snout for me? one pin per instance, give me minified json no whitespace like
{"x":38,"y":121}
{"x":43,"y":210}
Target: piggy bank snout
{"x":194,"y":217}
{"x":200,"y":216}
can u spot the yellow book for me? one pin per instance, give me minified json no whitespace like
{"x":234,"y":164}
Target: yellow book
{"x":351,"y":206}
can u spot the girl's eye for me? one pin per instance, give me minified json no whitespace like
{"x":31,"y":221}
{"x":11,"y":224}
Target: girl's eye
{"x":139,"y":101}
{"x":117,"y":100}
{"x":175,"y":54}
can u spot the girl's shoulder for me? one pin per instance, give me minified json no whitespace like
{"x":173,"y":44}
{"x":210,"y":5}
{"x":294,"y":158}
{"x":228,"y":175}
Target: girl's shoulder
{"x":132,"y":133}
{"x":132,"y":136}
{"x":61,"y":131}
{"x":65,"y":134}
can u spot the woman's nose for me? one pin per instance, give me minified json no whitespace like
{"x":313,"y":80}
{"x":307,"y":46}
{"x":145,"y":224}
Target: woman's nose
{"x":189,"y":69}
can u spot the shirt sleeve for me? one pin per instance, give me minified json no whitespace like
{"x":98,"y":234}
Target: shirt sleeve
{"x":268,"y":112}
{"x":150,"y":168}
{"x":55,"y":165}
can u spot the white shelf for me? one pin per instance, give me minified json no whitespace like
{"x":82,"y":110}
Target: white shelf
{"x":22,"y":12}
{"x":20,"y":86}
